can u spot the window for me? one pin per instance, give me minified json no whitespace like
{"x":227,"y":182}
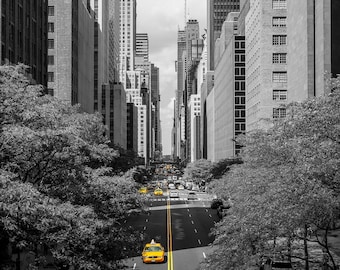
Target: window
{"x":240,"y":113}
{"x":279,"y":94}
{"x":279,"y":21}
{"x":50,"y":59}
{"x":51,"y":43}
{"x":240,"y":71}
{"x":50,"y":10}
{"x":279,"y":39}
{"x":240,"y":100}
{"x":279,"y":76}
{"x":279,"y":4}
{"x":279,"y":58}
{"x":50,"y":77}
{"x":279,"y":113}
{"x":50,"y":27}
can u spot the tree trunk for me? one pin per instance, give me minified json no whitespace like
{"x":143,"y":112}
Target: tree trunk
{"x":306,"y":247}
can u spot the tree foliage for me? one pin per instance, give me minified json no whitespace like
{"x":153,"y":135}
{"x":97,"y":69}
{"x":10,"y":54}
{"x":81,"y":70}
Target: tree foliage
{"x":285,"y":196}
{"x":55,"y":184}
{"x":198,"y":171}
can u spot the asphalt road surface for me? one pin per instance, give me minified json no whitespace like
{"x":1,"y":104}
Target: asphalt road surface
{"x":182,"y":226}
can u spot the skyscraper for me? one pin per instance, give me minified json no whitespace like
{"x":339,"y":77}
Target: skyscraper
{"x":217,"y":13}
{"x":114,"y":38}
{"x":127,"y":50}
{"x":142,"y":48}
{"x":180,"y":70}
{"x":24,"y":35}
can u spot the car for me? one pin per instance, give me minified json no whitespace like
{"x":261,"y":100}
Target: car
{"x":215,"y":203}
{"x":153,"y":253}
{"x":171,"y":186}
{"x":181,"y":187}
{"x":173,"y":194}
{"x":192,"y":195}
{"x":143,"y":190}
{"x":158,"y":192}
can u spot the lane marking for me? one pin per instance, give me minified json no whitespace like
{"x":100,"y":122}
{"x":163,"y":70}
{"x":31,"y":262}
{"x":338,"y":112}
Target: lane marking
{"x":189,"y":215}
{"x":210,"y":215}
{"x":204,"y":256}
{"x":169,"y":237}
{"x":195,"y":230}
{"x":199,"y":241}
{"x":134,"y":266}
{"x":146,"y":220}
{"x":192,"y":222}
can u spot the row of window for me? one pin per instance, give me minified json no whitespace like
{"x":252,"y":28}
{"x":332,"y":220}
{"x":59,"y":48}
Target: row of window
{"x":279,"y":77}
{"x":279,"y":4}
{"x":279,"y":21}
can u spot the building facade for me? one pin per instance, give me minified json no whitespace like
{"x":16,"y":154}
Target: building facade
{"x":217,"y":12}
{"x":127,"y":51}
{"x":142,"y":48}
{"x":180,"y":70}
{"x":229,"y":90}
{"x":266,"y":62}
{"x":70,"y":52}
{"x":313,"y":47}
{"x":24,"y":36}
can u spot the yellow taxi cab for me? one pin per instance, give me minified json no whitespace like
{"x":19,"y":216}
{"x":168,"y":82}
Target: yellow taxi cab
{"x":153,"y":253}
{"x":158,"y":191}
{"x":143,"y":190}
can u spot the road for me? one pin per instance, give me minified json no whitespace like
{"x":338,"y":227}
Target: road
{"x":182,"y":226}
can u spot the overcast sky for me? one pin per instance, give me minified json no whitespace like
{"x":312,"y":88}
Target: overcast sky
{"x":161,"y":19}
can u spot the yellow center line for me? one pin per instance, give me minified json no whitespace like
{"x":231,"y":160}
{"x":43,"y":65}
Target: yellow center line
{"x":169,"y":236}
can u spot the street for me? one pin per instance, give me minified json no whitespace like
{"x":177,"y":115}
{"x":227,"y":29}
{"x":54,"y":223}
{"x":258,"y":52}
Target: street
{"x":182,"y":226}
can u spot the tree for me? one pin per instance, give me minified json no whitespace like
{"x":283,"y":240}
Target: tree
{"x":55,"y":184}
{"x":198,"y":171}
{"x":285,"y":195}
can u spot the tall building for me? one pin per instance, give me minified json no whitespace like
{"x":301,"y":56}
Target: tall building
{"x":217,"y":13}
{"x":23,"y":35}
{"x":114,"y":37}
{"x":101,"y":57}
{"x":194,"y":48}
{"x":70,"y":52}
{"x":313,"y":46}
{"x":266,"y":62}
{"x":142,"y":48}
{"x":229,"y":90}
{"x":180,"y":70}
{"x":128,"y":14}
